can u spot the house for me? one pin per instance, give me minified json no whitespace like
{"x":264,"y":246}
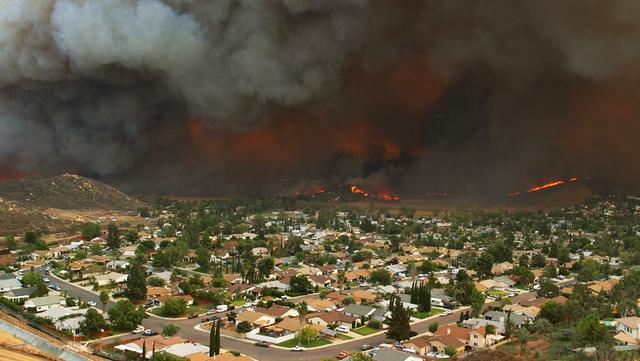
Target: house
{"x":256,"y":319}
{"x":118,"y":264}
{"x":155,"y":292}
{"x":111,"y":278}
{"x":161,"y":343}
{"x":315,"y":305}
{"x":186,"y":298}
{"x":475,"y":323}
{"x":531,"y":312}
{"x":276,"y":284}
{"x":359,"y":311}
{"x":65,"y":318}
{"x":334,"y":317}
{"x":387,"y":354}
{"x":9,"y":284}
{"x":20,"y":295}
{"x":439,"y":344}
{"x":628,"y":330}
{"x":419,"y":344}
{"x":501,"y":316}
{"x":43,"y":303}
{"x":278,"y":311}
{"x":186,"y":348}
{"x":360,"y":295}
{"x":501,"y":268}
{"x":320,"y":281}
{"x":440,"y":298}
{"x":505,"y":280}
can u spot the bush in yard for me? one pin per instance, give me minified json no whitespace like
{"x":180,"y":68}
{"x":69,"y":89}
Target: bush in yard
{"x":170,"y":330}
{"x":244,"y":327}
{"x":433,"y":327}
{"x":375,"y":324}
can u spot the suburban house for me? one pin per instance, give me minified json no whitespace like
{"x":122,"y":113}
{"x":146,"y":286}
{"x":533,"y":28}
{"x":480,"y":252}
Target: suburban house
{"x":501,"y":316}
{"x":256,"y":319}
{"x":9,"y":284}
{"x":65,"y":318}
{"x":111,"y":278}
{"x":359,"y":311}
{"x":628,"y":330}
{"x":20,"y":295}
{"x":387,"y":354}
{"x":334,"y":317}
{"x":44,"y":303}
{"x":278,"y":311}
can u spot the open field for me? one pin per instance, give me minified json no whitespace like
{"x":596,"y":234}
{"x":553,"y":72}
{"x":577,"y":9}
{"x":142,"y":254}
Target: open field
{"x":13,"y":349}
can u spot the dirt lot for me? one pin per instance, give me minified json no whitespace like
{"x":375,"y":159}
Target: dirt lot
{"x":10,"y":351}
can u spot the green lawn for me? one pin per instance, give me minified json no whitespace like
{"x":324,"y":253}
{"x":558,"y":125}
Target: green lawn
{"x":496,"y":293}
{"x":238,"y":303}
{"x":364,"y":331}
{"x":422,"y":315}
{"x":344,"y":337}
{"x":315,"y":343}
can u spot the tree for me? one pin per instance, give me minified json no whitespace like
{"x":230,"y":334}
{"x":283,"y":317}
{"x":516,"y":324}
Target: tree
{"x":265,"y":266}
{"x":31,"y":237}
{"x":34,"y":279}
{"x":104,"y":298}
{"x":554,"y":312}
{"x":548,"y":289}
{"x":433,"y":327}
{"x":125,"y":315}
{"x":538,"y":260}
{"x":155,"y":281}
{"x":300,"y":284}
{"x":541,"y":326}
{"x":214,"y":338}
{"x":203,"y":257}
{"x":11,"y":242}
{"x":93,"y":323}
{"x":491,"y":329}
{"x":550,"y":271}
{"x":523,"y":337}
{"x":244,"y":327}
{"x":348,"y":301}
{"x":399,"y":328}
{"x":136,"y":282}
{"x":483,"y":265}
{"x":590,"y":331}
{"x":113,"y":236}
{"x":307,"y":334}
{"x":380,"y":276}
{"x":174,"y":307}
{"x":90,"y":230}
{"x":169,"y":330}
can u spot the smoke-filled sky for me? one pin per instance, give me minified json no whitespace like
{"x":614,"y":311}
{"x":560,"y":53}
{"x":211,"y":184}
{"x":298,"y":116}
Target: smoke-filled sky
{"x":248,"y":96}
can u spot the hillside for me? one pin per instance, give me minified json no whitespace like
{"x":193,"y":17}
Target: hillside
{"x":66,"y":191}
{"x":39,"y":202}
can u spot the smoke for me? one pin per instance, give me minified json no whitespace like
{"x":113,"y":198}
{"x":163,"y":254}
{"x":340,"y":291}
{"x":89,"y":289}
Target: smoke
{"x":254,"y":96}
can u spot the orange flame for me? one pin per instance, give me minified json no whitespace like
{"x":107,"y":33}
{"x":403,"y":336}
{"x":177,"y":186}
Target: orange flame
{"x":552,"y":184}
{"x":382,"y":195}
{"x":545,"y":186}
{"x":315,"y":190}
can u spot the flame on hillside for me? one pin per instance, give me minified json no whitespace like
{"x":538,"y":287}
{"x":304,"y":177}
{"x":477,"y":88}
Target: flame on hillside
{"x":381,"y":195}
{"x":548,"y":185}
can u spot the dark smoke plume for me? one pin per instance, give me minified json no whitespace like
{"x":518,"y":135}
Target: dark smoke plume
{"x":215,"y":97}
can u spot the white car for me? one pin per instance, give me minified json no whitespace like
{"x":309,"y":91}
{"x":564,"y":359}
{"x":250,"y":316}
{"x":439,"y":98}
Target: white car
{"x":46,"y":279}
{"x":298,"y":349}
{"x":139,"y":329}
{"x":342,"y":328}
{"x":92,"y":303}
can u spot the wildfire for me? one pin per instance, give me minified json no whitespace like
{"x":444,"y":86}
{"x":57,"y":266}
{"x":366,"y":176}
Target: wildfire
{"x":551,"y":184}
{"x":382,"y":195}
{"x":311,"y":191}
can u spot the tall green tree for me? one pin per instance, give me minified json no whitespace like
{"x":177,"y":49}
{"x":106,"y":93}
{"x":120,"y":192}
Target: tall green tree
{"x":136,"y":282}
{"x":399,"y":328}
{"x":214,"y":338}
{"x":113,"y":236}
{"x":93,"y":323}
{"x":125,"y":315}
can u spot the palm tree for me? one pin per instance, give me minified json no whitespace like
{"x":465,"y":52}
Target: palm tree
{"x":302,"y":315}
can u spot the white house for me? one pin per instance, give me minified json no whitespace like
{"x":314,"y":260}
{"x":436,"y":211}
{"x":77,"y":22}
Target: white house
{"x":9,"y":284}
{"x":628,"y":329}
{"x":111,"y":277}
{"x":43,"y":303}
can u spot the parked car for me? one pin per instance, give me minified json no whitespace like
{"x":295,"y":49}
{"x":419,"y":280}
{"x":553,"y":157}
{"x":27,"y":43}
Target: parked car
{"x":139,"y":329}
{"x":262,"y":344}
{"x":46,"y":279}
{"x":366,"y":347}
{"x":343,"y":354}
{"x":92,"y":303}
{"x":298,"y":349}
{"x":222,"y":308}
{"x":342,"y":328}
{"x":445,"y":313}
{"x":193,"y":315}
{"x":150,"y":332}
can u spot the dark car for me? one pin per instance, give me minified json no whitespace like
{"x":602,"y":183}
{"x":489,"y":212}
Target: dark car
{"x":193,"y":315}
{"x":366,"y":347}
{"x":413,"y":334}
{"x":150,"y":332}
{"x":262,"y":344}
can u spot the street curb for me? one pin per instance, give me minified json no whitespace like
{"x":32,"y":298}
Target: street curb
{"x":165,"y":318}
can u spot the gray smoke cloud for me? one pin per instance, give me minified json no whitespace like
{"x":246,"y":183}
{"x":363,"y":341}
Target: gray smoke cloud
{"x":107,"y":87}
